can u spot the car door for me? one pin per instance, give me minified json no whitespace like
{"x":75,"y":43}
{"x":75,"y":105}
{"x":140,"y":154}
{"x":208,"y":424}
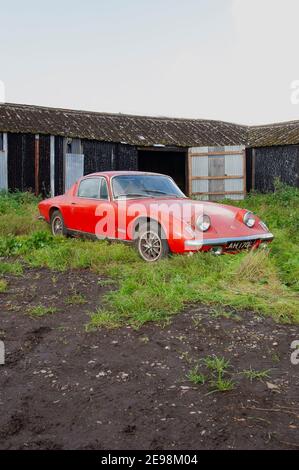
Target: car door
{"x":90,"y":204}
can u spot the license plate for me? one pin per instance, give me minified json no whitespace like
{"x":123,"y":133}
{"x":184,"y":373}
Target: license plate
{"x":238,"y":246}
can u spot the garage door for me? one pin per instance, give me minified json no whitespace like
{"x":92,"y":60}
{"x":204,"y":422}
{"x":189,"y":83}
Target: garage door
{"x":217,"y":172}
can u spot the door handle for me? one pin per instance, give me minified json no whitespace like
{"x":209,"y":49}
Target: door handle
{"x":73,"y":203}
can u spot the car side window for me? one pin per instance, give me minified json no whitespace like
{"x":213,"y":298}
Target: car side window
{"x":90,"y":188}
{"x":104,"y":189}
{"x":93,"y":188}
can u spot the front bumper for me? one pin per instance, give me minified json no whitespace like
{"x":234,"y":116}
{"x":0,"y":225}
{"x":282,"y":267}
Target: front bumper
{"x":198,"y":244}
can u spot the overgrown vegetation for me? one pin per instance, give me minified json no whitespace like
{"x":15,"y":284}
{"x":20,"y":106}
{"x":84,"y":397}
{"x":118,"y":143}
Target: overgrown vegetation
{"x":267,"y":283}
{"x":18,"y":213}
{"x":280,"y":210}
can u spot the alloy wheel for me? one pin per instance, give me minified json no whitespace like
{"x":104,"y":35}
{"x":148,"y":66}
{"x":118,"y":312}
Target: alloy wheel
{"x":150,"y":246}
{"x":57,"y":226}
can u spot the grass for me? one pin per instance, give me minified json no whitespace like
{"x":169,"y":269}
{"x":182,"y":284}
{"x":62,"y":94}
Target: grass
{"x":280,"y":210}
{"x":18,"y":214}
{"x":196,"y":320}
{"x":3,"y":285}
{"x":216,"y":364}
{"x":217,"y":377}
{"x":195,"y":376}
{"x":221,"y":385}
{"x":275,"y":357}
{"x":101,"y":319}
{"x":252,"y":374}
{"x":219,"y":312}
{"x":11,"y":268}
{"x":41,"y":311}
{"x":75,"y":299}
{"x":264,"y":282}
{"x":217,"y":368}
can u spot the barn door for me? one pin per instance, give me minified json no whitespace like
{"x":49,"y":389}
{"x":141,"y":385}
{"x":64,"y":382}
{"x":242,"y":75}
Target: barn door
{"x":217,"y":172}
{"x":3,"y":162}
{"x":74,"y":162}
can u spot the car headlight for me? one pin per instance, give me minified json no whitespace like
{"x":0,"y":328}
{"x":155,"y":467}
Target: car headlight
{"x":249,"y":219}
{"x":203,"y":223}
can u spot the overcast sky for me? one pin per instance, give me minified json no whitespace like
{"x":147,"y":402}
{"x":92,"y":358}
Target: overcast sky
{"x":233,"y":60}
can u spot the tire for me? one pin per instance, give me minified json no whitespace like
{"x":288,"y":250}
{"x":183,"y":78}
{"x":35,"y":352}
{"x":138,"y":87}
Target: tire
{"x":151,"y":242}
{"x":57,"y":224}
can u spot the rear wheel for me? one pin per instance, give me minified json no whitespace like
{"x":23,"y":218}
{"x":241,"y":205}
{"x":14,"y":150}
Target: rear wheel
{"x":57,"y":224}
{"x":151,"y":242}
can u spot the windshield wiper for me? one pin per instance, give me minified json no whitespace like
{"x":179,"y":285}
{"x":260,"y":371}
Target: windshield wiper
{"x":156,"y":191}
{"x":131,"y":195}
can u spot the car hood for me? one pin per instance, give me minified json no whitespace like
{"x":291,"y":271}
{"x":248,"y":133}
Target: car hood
{"x":226,"y":220}
{"x":186,"y":206}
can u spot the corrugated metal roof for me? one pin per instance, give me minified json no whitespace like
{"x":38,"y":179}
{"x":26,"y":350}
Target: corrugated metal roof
{"x":142,"y":130}
{"x":134,"y":130}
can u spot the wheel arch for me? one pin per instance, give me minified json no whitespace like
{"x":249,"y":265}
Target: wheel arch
{"x":145,"y":219}
{"x":52,"y":210}
{"x":164,"y":249}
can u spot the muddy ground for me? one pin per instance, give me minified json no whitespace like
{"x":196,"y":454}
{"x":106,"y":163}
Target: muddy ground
{"x":64,"y":388}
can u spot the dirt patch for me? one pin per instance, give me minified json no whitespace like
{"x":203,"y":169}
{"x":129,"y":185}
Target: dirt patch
{"x":63,"y":388}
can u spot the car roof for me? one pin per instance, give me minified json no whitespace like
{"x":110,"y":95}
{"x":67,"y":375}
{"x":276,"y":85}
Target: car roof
{"x":110,"y":174}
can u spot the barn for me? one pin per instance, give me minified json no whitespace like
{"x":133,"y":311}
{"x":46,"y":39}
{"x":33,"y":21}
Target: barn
{"x":45,"y":150}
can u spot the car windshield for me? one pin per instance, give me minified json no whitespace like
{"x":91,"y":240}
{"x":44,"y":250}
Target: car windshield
{"x":133,"y":186}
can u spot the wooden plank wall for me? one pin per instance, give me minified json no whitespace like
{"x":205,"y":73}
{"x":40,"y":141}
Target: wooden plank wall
{"x":44,"y":166}
{"x":3,"y":161}
{"x":217,"y":172}
{"x":270,"y":163}
{"x":21,"y":162}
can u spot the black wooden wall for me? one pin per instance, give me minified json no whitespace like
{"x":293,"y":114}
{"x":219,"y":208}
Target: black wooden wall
{"x":20,"y":164}
{"x":248,"y":170}
{"x":105,"y":156}
{"x":127,"y":157}
{"x":98,"y":156}
{"x":59,"y":165}
{"x":44,"y":165}
{"x":269,"y":163}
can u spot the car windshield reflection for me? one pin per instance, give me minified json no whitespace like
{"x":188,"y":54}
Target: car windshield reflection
{"x":140,"y":186}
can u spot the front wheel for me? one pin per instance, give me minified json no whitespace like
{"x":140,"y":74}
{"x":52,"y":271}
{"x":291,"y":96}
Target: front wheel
{"x":57,"y":224}
{"x":151,"y":242}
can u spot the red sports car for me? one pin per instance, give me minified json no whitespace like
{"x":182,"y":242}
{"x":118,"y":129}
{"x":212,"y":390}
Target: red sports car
{"x":150,"y":210}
